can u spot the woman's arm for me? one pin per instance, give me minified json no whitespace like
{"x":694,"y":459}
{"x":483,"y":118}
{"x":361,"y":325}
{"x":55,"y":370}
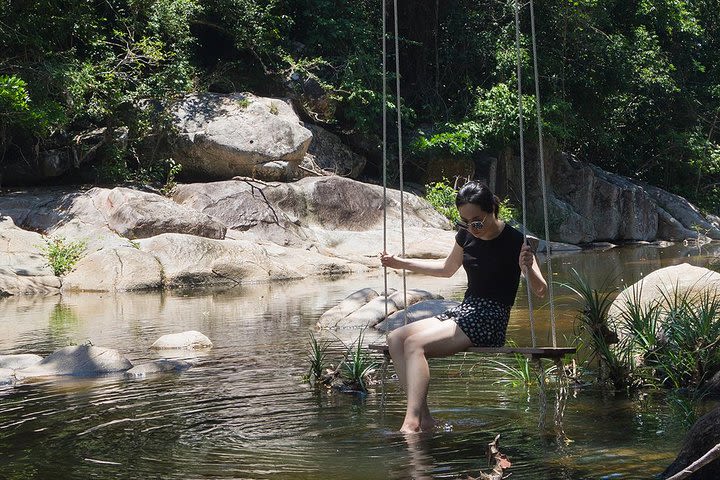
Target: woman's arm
{"x":435,"y":268}
{"x":531,"y":271}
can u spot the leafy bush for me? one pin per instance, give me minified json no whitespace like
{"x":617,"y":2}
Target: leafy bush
{"x":442,"y":197}
{"x":61,"y":254}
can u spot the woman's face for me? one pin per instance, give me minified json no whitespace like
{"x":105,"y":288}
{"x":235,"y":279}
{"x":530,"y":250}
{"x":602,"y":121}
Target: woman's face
{"x":474,"y":219}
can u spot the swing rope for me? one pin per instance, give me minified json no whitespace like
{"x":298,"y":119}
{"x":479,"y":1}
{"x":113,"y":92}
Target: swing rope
{"x":384,"y":145}
{"x":541,"y":159}
{"x":400,"y":148}
{"x":400,"y":154}
{"x":522,"y":162}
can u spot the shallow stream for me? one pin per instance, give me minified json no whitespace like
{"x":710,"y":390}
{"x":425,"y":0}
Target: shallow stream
{"x":244,"y":412}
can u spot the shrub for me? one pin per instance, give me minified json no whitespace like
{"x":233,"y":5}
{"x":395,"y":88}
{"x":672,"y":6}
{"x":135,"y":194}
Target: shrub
{"x":61,"y":254}
{"x":442,"y":197}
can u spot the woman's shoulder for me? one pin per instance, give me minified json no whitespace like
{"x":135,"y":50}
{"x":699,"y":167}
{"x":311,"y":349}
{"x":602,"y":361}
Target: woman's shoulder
{"x":513,"y":234}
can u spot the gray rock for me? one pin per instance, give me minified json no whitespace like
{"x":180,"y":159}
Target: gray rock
{"x":23,"y":268}
{"x":350,"y":304}
{"x":19,"y":361}
{"x":327,"y":153}
{"x":80,"y":360}
{"x":7,"y":376}
{"x":418,"y":311}
{"x":221,"y":136}
{"x":191,"y":260}
{"x":134,"y":214}
{"x":157,"y":366}
{"x":377,"y":309}
{"x":116,"y":269}
{"x":189,"y":340}
{"x":685,"y":213}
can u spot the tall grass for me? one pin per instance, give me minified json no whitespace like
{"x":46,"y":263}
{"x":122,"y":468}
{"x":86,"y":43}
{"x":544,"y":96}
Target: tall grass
{"x":672,"y":342}
{"x":357,"y":366}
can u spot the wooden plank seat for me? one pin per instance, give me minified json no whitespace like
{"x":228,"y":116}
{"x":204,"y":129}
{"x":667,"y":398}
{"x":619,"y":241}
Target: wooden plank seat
{"x":530,"y":352}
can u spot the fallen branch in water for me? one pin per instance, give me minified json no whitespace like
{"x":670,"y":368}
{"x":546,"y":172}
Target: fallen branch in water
{"x":711,"y":455}
{"x":501,"y":462}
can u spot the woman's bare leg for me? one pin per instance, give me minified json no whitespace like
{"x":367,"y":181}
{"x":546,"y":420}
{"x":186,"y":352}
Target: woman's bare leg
{"x":435,"y":339}
{"x":396,"y":344}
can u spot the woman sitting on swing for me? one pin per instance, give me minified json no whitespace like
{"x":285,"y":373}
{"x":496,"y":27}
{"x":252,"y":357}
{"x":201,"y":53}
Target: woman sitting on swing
{"x":494,"y":255}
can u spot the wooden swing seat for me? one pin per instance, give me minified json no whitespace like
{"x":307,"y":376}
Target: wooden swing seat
{"x":530,"y":352}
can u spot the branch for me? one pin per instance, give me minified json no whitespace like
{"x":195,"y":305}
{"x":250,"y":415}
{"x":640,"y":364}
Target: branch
{"x":711,"y":455}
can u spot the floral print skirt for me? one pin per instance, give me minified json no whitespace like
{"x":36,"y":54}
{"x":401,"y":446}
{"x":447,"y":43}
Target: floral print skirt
{"x":483,"y":320}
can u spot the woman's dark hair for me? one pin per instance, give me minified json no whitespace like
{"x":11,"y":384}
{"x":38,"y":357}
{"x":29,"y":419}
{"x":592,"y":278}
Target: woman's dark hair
{"x":478,"y":194}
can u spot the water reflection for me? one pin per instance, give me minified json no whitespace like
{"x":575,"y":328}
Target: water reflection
{"x":244,"y":412}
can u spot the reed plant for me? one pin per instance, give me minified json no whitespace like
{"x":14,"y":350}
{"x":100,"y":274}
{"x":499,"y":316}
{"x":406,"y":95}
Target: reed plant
{"x":357,"y":366}
{"x":317,"y":356}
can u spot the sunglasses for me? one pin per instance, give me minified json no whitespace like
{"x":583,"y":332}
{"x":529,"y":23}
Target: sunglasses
{"x":476,"y":224}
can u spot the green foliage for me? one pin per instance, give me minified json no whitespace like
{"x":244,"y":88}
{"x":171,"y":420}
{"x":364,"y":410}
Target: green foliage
{"x":174,"y":169}
{"x":673,"y":342}
{"x":507,"y":211}
{"x":442,"y":197}
{"x":357,"y":366}
{"x":317,"y":357}
{"x":62,"y":255}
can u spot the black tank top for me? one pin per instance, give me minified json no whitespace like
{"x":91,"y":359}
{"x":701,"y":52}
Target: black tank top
{"x":492,"y":265}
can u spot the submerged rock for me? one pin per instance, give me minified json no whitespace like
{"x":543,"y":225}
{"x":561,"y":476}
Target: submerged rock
{"x":157,"y":366}
{"x":79,"y":360}
{"x":189,"y":340}
{"x":7,"y":376}
{"x":15,"y":362}
{"x":703,"y":436}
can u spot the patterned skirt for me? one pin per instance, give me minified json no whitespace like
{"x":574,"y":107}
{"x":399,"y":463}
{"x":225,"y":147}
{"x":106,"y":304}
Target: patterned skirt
{"x":483,"y":320}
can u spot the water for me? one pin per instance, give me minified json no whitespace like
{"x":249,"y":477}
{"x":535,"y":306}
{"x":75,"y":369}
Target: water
{"x":243,"y":412}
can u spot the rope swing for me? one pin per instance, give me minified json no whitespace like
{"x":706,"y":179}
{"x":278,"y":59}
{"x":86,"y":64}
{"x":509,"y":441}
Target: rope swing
{"x":535,"y":352}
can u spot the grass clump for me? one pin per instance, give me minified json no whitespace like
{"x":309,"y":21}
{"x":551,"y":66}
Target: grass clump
{"x":62,"y":255}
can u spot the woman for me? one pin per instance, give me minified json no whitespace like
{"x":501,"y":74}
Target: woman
{"x":494,"y":255}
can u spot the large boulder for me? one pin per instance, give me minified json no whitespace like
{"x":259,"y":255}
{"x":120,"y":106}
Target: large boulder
{"x":79,"y":360}
{"x":588,"y":204}
{"x":327,"y":153}
{"x":23,"y":268}
{"x":681,"y":218}
{"x":375,"y":310}
{"x":134,"y":214}
{"x":221,"y":136}
{"x":191,"y":260}
{"x":103,"y":218}
{"x":665,"y":283}
{"x":115,"y":269}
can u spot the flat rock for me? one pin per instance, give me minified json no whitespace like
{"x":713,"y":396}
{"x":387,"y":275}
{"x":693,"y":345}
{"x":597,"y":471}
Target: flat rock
{"x":20,"y":361}
{"x":189,"y":340}
{"x":350,"y":304}
{"x":78,"y":360}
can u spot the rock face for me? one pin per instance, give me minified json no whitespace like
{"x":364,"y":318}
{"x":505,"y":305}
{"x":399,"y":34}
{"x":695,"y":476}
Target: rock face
{"x":189,"y":340}
{"x":82,"y":360}
{"x":221,"y":136}
{"x":23,"y":269}
{"x":703,"y":436}
{"x":587,"y":205}
{"x":115,"y":269}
